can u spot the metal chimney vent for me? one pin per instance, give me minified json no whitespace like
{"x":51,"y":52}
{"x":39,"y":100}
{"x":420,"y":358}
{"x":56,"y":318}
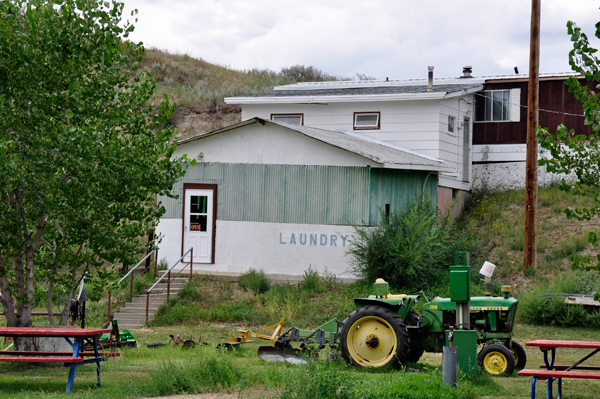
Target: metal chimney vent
{"x":430,"y":79}
{"x":467,"y":70}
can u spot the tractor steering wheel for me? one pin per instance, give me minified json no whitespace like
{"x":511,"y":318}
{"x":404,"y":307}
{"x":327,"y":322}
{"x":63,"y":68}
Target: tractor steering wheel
{"x":419,"y":288}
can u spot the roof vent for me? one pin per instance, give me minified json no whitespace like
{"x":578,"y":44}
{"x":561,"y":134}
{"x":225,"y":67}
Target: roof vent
{"x":430,"y":79}
{"x":467,"y":69}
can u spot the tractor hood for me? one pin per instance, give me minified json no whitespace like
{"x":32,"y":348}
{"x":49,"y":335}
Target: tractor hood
{"x":476,"y":303}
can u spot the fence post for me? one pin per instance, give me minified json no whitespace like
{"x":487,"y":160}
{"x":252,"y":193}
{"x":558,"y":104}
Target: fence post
{"x":155,"y":262}
{"x":109,"y":299}
{"x":168,"y":284}
{"x":131,"y":288}
{"x":191,"y":262}
{"x":147,"y":304}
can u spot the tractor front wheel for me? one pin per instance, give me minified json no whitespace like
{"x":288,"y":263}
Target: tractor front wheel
{"x":374,"y":336}
{"x":519,"y":355}
{"x":496,"y":360}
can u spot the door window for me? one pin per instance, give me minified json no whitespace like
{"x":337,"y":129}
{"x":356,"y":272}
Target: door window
{"x":198,"y":212}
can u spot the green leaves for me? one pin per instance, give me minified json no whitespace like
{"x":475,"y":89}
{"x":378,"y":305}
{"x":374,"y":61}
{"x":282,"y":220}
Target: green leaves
{"x":80,"y":144}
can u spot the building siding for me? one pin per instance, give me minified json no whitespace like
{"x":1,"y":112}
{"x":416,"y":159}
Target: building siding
{"x":397,"y":188}
{"x":326,"y":195}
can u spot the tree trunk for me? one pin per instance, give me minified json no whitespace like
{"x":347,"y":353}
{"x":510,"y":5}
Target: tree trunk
{"x":6,"y":300}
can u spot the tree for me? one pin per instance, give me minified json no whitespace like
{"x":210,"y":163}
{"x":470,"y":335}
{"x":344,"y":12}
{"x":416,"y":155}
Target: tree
{"x":84,"y":148}
{"x":576,"y":153}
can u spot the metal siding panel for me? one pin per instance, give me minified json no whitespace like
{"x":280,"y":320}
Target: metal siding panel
{"x":295,"y":196}
{"x":316,"y":195}
{"x":397,"y":188}
{"x":281,"y":193}
{"x":274,"y":194}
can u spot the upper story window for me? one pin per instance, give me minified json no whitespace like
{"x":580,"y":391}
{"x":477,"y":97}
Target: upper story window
{"x":292,"y":119}
{"x":493,"y":106}
{"x":451,"y":123}
{"x":366,"y":120}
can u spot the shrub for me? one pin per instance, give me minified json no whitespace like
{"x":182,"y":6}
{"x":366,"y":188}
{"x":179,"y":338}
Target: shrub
{"x":255,"y":281}
{"x":540,"y":306}
{"x":409,"y":247}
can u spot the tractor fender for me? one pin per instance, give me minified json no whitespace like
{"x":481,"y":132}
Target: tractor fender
{"x":393,"y":304}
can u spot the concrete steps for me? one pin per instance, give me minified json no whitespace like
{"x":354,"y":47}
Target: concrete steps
{"x":133,"y":314}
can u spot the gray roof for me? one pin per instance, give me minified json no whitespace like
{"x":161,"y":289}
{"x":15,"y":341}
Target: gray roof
{"x":383,"y":153}
{"x":349,"y":91}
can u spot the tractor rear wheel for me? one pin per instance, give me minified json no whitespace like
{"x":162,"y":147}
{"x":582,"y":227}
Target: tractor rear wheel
{"x":416,"y":350}
{"x":496,"y":360}
{"x":374,"y":336}
{"x":519,"y":355}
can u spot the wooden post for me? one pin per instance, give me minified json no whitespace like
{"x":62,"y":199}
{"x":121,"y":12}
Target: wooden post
{"x":109,"y":299}
{"x":168,"y":284}
{"x":150,"y":240}
{"x":131,"y":288}
{"x":191,"y":262}
{"x":147,"y":304}
{"x":529,"y":252}
{"x":155,"y":262}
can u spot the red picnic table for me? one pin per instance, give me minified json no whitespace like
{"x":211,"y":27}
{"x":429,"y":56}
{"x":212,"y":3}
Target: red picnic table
{"x":552,"y":372}
{"x":79,"y":335}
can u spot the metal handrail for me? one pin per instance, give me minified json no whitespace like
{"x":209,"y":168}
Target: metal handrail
{"x":113,"y":300}
{"x":131,"y":271}
{"x":168,"y":273}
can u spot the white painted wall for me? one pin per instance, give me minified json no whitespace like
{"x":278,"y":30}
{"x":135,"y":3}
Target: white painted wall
{"x":511,"y":175}
{"x":269,"y":144}
{"x":408,"y":124}
{"x":452,"y":143}
{"x":420,"y":126}
{"x":276,"y":248}
{"x":500,"y":153}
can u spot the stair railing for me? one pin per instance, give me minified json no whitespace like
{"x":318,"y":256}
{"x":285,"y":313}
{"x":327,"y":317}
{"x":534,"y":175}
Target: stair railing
{"x":168,"y":274}
{"x":132,"y":280}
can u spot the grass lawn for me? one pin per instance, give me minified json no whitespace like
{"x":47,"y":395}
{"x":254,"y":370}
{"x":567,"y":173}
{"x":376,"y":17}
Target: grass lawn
{"x":167,"y":370}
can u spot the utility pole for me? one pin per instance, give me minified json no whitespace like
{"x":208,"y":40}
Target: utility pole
{"x":531,"y":185}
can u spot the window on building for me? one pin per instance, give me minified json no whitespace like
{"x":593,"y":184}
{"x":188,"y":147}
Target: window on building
{"x":451,"y":123}
{"x":493,"y":106}
{"x":292,"y":119}
{"x":366,"y":120}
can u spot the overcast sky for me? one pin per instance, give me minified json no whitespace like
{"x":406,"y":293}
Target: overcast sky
{"x":380,"y":38}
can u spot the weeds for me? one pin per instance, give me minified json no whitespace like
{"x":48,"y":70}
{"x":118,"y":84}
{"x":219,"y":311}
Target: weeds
{"x":255,"y":281}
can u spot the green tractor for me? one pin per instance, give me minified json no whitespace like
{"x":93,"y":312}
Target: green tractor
{"x":385,"y":330}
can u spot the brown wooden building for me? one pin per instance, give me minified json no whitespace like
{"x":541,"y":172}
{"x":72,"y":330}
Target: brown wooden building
{"x":557,"y":106}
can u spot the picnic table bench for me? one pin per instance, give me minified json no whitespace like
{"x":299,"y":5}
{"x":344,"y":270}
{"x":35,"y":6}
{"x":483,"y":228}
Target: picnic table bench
{"x":551,"y":372}
{"x":70,"y":359}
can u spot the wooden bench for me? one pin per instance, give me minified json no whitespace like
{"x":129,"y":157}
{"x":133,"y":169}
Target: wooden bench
{"x":544,"y":374}
{"x":75,"y":337}
{"x":50,"y":354}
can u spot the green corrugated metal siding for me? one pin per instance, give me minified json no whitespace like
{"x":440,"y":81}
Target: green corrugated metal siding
{"x":281,"y":193}
{"x":333,"y":195}
{"x":397,"y":187}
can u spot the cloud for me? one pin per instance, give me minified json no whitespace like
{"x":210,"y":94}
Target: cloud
{"x":382,"y":38}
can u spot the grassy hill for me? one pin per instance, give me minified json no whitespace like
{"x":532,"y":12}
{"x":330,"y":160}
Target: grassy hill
{"x":499,"y":218}
{"x":199,"y":87}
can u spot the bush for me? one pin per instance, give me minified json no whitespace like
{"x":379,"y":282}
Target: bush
{"x":411,"y":246}
{"x":540,"y":307}
{"x":255,"y":281}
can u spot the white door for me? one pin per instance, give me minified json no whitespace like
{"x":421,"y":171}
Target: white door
{"x":198,"y":224}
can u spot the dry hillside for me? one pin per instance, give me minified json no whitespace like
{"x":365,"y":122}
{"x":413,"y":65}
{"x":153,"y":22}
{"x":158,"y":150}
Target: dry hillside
{"x":198,"y":87}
